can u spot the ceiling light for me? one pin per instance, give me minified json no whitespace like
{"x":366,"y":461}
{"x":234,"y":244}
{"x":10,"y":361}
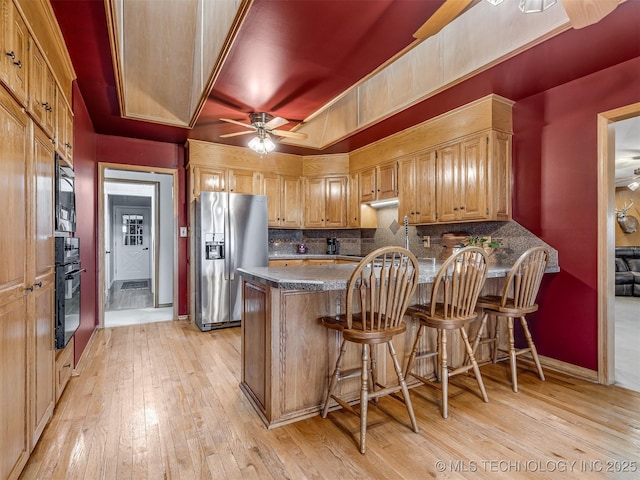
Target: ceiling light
{"x":262,"y":143}
{"x":495,"y":2}
{"x":535,"y":6}
{"x":633,"y":185}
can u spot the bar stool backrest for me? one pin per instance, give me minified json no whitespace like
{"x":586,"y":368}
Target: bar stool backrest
{"x":458,"y":284}
{"x":524,"y":278}
{"x":380,"y":289}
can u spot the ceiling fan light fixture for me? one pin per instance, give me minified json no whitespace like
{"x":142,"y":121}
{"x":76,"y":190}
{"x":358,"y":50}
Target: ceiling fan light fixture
{"x":535,"y":6}
{"x":495,"y":2}
{"x":262,"y":143}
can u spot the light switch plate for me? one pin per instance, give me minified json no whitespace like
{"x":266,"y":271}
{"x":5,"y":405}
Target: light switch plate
{"x":183,"y":231}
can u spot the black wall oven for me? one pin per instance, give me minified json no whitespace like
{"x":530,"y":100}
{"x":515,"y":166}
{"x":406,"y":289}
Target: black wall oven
{"x":65,"y":197}
{"x":68,"y":273}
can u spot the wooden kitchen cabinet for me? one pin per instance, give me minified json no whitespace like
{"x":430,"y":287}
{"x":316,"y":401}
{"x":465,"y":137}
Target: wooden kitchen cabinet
{"x":326,"y":202}
{"x":208,"y":180}
{"x":42,"y":92}
{"x":244,"y":181}
{"x":353,"y":201}
{"x":283,"y":200}
{"x":379,"y":182}
{"x":14,"y":61}
{"x":417,"y":188}
{"x":462,"y":182}
{"x":64,"y":129}
{"x":15,"y":282}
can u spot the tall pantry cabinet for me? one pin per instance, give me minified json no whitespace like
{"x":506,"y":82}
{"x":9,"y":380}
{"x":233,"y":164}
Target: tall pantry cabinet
{"x":28,"y":101}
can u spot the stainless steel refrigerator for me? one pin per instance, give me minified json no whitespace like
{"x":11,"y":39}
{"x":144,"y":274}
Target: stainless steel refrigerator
{"x":230,"y":232}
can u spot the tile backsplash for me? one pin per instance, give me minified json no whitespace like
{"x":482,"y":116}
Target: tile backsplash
{"x":513,"y":238}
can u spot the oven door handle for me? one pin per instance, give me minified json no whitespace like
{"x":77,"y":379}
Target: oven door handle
{"x":70,"y":275}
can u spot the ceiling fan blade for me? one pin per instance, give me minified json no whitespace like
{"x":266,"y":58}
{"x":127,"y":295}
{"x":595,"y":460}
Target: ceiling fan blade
{"x":445,"y":14}
{"x":276,"y":122}
{"x":236,"y":122}
{"x":287,"y":134}
{"x":227,"y":135}
{"x":583,"y":13}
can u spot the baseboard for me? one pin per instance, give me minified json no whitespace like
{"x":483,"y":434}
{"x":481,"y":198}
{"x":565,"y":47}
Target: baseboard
{"x":164,"y":305}
{"x":559,"y":366}
{"x":79,"y":367}
{"x":183,"y":317}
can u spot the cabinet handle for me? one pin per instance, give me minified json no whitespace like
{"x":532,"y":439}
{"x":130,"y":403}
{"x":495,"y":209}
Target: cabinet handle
{"x":462,"y":207}
{"x":417,"y":213}
{"x":66,"y":365}
{"x":47,"y":107}
{"x":29,"y":289}
{"x":68,"y":145}
{"x":11,"y":54}
{"x":18,"y":64}
{"x":455,"y":209}
{"x":38,"y":284}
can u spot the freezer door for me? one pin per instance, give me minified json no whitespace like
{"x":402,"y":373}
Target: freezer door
{"x":212,"y":294}
{"x":248,"y":240}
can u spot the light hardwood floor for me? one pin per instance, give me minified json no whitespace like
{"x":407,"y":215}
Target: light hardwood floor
{"x":627,"y":342}
{"x":161,"y":401}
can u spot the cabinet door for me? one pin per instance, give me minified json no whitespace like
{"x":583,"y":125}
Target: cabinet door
{"x":354,"y":201}
{"x":42,"y":201}
{"x":14,"y":60}
{"x":64,"y":128}
{"x":406,"y":189}
{"x":473,"y":179}
{"x":290,"y":205}
{"x":272,"y":189}
{"x":425,"y":191}
{"x":242,"y":181}
{"x":14,"y":153}
{"x":386,"y":181}
{"x":37,"y":69}
{"x":43,"y":357}
{"x":336,"y":213}
{"x":209,"y":180}
{"x":447,"y":190}
{"x":368,"y":185}
{"x":314,"y":202}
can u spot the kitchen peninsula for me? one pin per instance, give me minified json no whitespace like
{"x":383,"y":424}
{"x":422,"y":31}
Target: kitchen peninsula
{"x":287,"y":355}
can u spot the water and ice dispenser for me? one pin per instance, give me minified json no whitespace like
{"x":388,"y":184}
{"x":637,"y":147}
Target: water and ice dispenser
{"x":214,"y":246}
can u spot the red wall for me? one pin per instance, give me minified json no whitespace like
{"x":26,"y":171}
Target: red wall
{"x":555,"y":196}
{"x":85,"y":168}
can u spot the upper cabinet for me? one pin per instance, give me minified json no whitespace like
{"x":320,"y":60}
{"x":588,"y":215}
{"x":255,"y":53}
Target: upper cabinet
{"x":14,"y":63}
{"x":208,"y":180}
{"x":42,"y":92}
{"x":283,"y":200}
{"x":325,"y":202}
{"x":244,"y":181}
{"x":417,"y":188}
{"x":379,"y":182}
{"x":64,"y":129}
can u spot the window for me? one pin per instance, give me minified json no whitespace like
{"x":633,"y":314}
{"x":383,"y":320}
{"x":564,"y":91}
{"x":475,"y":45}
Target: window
{"x":132,"y":229}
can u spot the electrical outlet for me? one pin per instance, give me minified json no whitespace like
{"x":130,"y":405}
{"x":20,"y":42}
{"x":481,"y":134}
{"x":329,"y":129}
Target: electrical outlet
{"x":426,"y":241}
{"x":183,"y":231}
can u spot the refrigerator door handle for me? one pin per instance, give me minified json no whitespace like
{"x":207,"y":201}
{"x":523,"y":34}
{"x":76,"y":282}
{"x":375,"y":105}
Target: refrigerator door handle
{"x":232,"y":247}
{"x":227,"y":244}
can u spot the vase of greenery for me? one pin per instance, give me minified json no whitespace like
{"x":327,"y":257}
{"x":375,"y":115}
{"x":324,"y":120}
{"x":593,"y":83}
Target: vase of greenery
{"x":486,"y":243}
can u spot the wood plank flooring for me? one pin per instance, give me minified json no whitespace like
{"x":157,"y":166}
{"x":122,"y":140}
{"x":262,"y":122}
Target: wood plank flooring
{"x":161,"y":401}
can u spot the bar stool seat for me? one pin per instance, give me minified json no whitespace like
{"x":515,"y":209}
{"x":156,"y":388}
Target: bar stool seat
{"x":378,"y":294}
{"x":517,"y":300}
{"x":452,"y":307}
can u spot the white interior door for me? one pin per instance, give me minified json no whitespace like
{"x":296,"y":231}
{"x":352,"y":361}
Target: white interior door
{"x":132,"y":243}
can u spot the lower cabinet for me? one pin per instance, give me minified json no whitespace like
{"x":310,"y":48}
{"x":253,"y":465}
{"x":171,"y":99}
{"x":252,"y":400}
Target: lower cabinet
{"x":64,"y":367}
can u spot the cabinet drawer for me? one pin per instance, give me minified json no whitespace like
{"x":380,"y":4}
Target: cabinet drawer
{"x":64,"y":367}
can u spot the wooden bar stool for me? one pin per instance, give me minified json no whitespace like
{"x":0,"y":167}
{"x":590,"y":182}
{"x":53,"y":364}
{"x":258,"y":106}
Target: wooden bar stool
{"x":517,"y":300}
{"x":378,"y":293}
{"x":453,"y":305}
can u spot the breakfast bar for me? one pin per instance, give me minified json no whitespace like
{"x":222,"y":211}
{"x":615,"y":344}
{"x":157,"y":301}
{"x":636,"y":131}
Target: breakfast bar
{"x":287,"y":355}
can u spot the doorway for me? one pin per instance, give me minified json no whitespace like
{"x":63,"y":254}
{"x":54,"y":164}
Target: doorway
{"x":606,"y":241}
{"x":137,"y":238}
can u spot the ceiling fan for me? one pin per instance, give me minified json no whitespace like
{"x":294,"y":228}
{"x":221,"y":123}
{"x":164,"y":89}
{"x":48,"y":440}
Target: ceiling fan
{"x":263,"y":125}
{"x":581,"y":13}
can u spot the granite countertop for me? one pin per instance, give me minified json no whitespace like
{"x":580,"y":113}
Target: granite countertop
{"x":331,"y":277}
{"x":313,"y":256}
